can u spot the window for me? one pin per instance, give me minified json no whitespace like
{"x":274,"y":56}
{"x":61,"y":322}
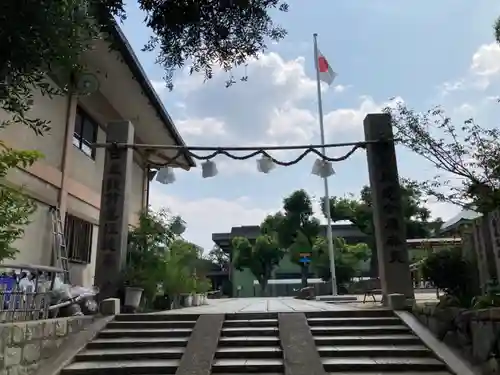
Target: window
{"x":78,"y":235}
{"x":85,"y":132}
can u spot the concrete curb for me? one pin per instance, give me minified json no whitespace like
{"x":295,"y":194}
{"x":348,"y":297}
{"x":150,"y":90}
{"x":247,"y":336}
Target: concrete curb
{"x":54,"y":366}
{"x":454,"y":362}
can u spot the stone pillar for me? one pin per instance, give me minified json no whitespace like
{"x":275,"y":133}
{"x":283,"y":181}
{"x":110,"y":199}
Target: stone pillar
{"x":114,"y":213}
{"x":390,"y":231}
{"x":480,"y":248}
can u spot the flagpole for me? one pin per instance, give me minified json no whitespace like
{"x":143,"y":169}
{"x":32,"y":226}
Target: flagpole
{"x":329,"y":234}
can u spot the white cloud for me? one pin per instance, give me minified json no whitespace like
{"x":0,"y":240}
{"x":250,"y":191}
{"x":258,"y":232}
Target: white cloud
{"x":205,"y":216}
{"x":201,"y":127}
{"x":341,"y":88}
{"x":350,"y":120}
{"x":276,"y":106}
{"x":291,"y":124}
{"x":483,"y":70}
{"x":159,"y":86}
{"x":486,"y":60}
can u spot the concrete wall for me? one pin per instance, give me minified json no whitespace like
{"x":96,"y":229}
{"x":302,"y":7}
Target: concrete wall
{"x":79,"y":178}
{"x":245,"y":279}
{"x":25,"y":345}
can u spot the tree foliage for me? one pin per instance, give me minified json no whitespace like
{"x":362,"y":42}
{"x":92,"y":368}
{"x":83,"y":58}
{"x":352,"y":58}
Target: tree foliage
{"x":348,"y":259}
{"x":150,"y":244}
{"x":208,"y":32}
{"x":219,"y":257}
{"x":15,"y":206}
{"x":295,"y":227}
{"x":497,"y":30}
{"x":260,"y":258}
{"x":466,"y":153}
{"x":38,"y":37}
{"x":450,"y":272}
{"x":359,"y":211}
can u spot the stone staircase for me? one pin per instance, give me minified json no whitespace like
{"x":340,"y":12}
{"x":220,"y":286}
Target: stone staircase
{"x":249,"y":343}
{"x":136,"y":344}
{"x":348,"y":342}
{"x":373,"y":341}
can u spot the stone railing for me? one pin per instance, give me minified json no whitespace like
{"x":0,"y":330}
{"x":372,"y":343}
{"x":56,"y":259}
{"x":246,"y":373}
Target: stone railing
{"x":25,"y":345}
{"x":474,"y":333}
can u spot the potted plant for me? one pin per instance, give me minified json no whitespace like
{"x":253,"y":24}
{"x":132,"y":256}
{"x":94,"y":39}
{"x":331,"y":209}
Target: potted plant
{"x":203,"y":287}
{"x":134,"y":281}
{"x":196,"y":295}
{"x":188,"y":292}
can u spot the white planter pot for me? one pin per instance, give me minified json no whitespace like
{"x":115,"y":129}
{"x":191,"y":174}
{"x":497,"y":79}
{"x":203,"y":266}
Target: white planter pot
{"x":188,"y":301}
{"x":196,"y":300}
{"x":133,"y":296}
{"x":205,"y":302}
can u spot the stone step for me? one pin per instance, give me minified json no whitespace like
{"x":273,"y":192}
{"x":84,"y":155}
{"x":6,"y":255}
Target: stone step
{"x":151,"y":324}
{"x":350,"y":313}
{"x":155,"y":317}
{"x":249,"y":341}
{"x":355,"y":321}
{"x":358,"y":330}
{"x":140,"y":342}
{"x":377,"y":364}
{"x":122,"y":367}
{"x":399,"y":339}
{"x":249,"y":352}
{"x":251,"y":323}
{"x":374,"y":351}
{"x":251,"y":316}
{"x":247,"y":331}
{"x":166,"y":332}
{"x":129,"y":354}
{"x":247,"y":366}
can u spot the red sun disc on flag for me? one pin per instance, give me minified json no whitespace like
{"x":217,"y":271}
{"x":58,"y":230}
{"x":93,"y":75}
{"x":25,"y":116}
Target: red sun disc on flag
{"x":322,"y":64}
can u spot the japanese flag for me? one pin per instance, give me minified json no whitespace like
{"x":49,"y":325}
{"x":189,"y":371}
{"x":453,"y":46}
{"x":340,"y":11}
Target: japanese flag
{"x":326,"y":73}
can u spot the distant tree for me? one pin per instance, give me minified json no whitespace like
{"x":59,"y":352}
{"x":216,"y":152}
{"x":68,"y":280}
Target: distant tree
{"x":149,"y":246}
{"x":295,"y":227}
{"x":359,"y":211}
{"x":464,"y":152}
{"x":348,"y":260}
{"x":260,"y":258}
{"x":219,"y":257}
{"x":190,"y":256}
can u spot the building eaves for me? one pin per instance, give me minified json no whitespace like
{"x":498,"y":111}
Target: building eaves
{"x":135,"y":67}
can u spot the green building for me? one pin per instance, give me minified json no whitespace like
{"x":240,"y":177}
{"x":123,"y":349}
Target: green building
{"x":287,"y":276}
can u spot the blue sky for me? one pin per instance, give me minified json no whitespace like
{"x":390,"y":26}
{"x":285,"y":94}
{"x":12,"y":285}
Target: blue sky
{"x":426,"y":53}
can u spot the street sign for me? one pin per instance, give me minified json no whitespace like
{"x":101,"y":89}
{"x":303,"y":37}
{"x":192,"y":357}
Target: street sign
{"x":305,"y":260}
{"x":305,"y":255}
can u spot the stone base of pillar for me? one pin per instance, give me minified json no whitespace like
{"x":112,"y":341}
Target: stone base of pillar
{"x":397,"y":301}
{"x":110,"y":306}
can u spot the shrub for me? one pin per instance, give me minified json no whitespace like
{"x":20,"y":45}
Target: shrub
{"x":450,"y":272}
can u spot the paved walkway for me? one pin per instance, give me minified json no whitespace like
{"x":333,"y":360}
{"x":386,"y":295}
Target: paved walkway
{"x":253,"y":305}
{"x":280,"y":304}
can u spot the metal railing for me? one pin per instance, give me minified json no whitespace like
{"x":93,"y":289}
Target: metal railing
{"x":23,"y":304}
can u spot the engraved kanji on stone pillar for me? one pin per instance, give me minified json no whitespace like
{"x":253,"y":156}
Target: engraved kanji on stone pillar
{"x":114,"y":213}
{"x":390,"y":230}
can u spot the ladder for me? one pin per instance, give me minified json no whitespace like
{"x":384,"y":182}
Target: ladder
{"x":59,"y":249}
